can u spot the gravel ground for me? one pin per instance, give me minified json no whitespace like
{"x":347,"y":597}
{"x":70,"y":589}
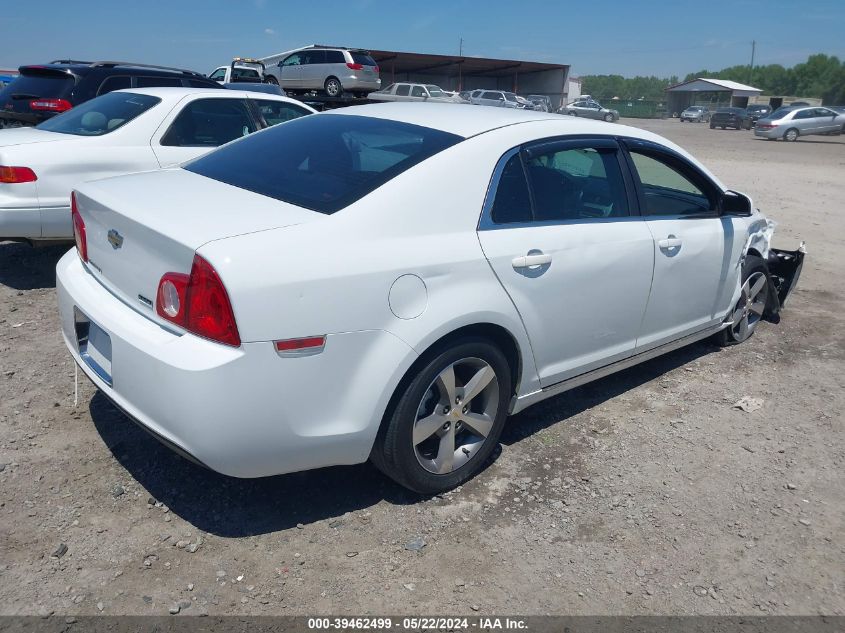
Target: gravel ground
{"x":644,"y":493}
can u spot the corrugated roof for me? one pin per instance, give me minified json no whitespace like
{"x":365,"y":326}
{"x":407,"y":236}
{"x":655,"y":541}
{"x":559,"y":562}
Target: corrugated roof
{"x":723,"y":83}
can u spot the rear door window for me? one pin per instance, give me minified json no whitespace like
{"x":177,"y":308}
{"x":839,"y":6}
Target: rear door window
{"x":335,"y":57}
{"x":314,"y":57}
{"x":323,"y":162}
{"x":418,"y":91}
{"x":403,"y":90}
{"x":275,"y":112}
{"x":116,"y":82}
{"x":210,"y":123}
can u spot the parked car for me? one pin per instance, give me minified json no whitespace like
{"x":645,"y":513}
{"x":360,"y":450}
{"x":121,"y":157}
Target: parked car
{"x":218,"y":304}
{"x":590,"y":109}
{"x":43,"y":91}
{"x":541,"y":103}
{"x":697,"y":114}
{"x":118,"y":133}
{"x":242,"y":69}
{"x":404,"y":91}
{"x":496,"y":98}
{"x":730,"y":117}
{"x":332,"y":70}
{"x":755,"y":112}
{"x":790,"y":123}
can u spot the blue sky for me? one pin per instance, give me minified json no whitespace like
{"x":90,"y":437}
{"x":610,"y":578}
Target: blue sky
{"x":625,"y":37}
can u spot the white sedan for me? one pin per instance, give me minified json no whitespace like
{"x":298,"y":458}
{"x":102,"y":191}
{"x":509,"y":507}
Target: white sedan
{"x":303,"y":297}
{"x":118,"y":133}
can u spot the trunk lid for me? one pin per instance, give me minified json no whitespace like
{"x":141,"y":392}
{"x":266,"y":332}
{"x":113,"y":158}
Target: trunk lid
{"x":142,"y":226}
{"x":27,"y":136}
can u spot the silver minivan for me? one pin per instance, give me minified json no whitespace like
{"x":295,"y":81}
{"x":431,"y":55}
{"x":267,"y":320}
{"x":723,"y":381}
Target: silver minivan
{"x":332,"y":70}
{"x":496,"y":98}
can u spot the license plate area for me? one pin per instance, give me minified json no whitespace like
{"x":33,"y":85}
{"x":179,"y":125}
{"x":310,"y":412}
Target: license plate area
{"x":94,"y":346}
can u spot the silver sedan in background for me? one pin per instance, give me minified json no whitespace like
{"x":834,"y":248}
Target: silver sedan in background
{"x":697,"y":114}
{"x":790,"y":123}
{"x":590,"y":109}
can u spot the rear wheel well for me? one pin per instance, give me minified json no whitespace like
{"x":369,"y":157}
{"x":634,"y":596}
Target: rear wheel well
{"x":496,"y":334}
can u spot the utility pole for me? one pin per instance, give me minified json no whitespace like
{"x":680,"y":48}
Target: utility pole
{"x":461,"y":48}
{"x":751,"y":71}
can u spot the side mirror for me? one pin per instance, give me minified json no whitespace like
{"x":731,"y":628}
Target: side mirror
{"x":735,"y":203}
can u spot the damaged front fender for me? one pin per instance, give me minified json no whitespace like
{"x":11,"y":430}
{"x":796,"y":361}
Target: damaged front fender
{"x":784,"y":270}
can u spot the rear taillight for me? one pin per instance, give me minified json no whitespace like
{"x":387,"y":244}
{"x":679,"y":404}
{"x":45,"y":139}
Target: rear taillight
{"x":50,"y":105}
{"x":199,"y":303}
{"x":765,"y":126}
{"x":78,"y":229}
{"x":355,"y":66}
{"x":16,"y":174}
{"x":375,"y":68}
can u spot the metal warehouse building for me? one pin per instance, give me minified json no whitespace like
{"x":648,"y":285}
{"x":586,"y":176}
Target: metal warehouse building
{"x":456,"y":72}
{"x":713,"y":93}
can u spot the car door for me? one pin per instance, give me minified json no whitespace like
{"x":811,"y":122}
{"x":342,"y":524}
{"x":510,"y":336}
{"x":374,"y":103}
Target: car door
{"x":560,"y":232}
{"x":402,"y":92}
{"x":827,"y":121}
{"x":290,"y":71}
{"x":313,"y":69}
{"x":200,"y":126}
{"x":806,"y":121}
{"x":696,"y":251}
{"x":418,"y":93}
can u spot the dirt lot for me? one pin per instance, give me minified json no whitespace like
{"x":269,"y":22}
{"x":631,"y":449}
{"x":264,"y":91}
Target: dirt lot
{"x":644,"y":493}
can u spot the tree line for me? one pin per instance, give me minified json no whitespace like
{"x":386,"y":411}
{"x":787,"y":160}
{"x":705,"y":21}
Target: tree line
{"x":821,"y":76}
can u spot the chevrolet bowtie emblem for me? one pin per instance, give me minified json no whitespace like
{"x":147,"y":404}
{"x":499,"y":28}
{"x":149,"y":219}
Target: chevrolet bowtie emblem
{"x":115,"y":239}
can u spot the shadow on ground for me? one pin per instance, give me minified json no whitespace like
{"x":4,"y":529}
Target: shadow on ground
{"x":24,"y":267}
{"x":230,"y":507}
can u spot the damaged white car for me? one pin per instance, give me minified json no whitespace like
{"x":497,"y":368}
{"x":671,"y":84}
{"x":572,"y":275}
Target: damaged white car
{"x":296,"y":299}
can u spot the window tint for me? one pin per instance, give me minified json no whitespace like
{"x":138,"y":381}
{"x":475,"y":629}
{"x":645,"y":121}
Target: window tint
{"x":335,"y":57}
{"x":246,"y":74}
{"x":362,"y":58}
{"x":509,"y":96}
{"x":218,"y":75}
{"x":117,"y":82}
{"x":417,"y":91}
{"x":275,"y":112}
{"x":512,"y":203}
{"x":805,"y":114}
{"x":209,"y":123}
{"x":667,"y":190}
{"x":100,"y":115}
{"x":52,"y":85}
{"x":157,"y":82}
{"x":313,"y":57}
{"x":403,"y":90}
{"x":572,"y":184}
{"x":491,"y":95}
{"x":824,"y":112}
{"x":293,"y":60}
{"x":324,"y":162}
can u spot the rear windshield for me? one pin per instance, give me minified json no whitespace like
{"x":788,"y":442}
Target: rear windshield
{"x":39,"y":85}
{"x":362,"y":58}
{"x":324,"y":162}
{"x":101,"y":115}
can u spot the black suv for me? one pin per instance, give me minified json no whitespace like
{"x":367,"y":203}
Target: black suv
{"x":43,"y":91}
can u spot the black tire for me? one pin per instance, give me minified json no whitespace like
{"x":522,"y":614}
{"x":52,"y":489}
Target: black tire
{"x":722,"y":126}
{"x":752,"y":266}
{"x":791,"y":137}
{"x":712,"y":127}
{"x":394,"y":451}
{"x":682,"y":120}
{"x":333,"y":87}
{"x":608,"y":117}
{"x":270,"y":79}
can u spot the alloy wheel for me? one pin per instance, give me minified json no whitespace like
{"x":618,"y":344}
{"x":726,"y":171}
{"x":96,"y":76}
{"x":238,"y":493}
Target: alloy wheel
{"x":456,"y":415}
{"x":750,"y":307}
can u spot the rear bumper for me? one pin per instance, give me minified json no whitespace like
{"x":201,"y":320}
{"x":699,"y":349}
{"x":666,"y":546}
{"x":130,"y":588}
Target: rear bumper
{"x":361,"y":84}
{"x":773,"y":133}
{"x":244,"y":412}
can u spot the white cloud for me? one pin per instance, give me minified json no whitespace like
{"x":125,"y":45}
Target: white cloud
{"x":269,"y":32}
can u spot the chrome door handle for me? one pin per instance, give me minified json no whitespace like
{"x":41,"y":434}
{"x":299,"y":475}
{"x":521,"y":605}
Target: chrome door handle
{"x":669,"y":243}
{"x":528,"y":261}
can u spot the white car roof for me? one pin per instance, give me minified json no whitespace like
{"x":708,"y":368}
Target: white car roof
{"x":174,"y":94}
{"x":467,"y":120}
